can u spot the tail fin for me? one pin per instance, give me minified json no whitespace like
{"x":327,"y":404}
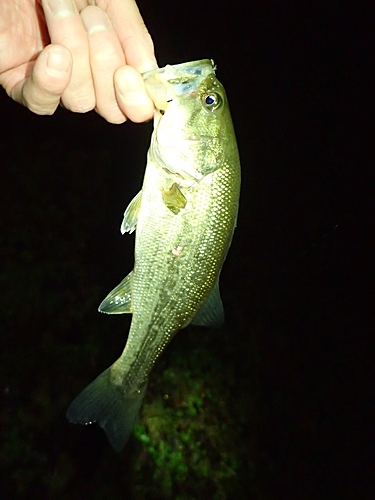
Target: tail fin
{"x":107,"y":404}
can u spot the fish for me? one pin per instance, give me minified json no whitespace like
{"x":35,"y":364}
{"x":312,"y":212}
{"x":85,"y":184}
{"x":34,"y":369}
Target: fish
{"x":184,"y":218}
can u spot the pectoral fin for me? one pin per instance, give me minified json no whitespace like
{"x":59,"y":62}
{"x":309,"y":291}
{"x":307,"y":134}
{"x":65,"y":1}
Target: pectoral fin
{"x":130,"y":219}
{"x":211,"y":312}
{"x":119,"y":301}
{"x":173,"y":198}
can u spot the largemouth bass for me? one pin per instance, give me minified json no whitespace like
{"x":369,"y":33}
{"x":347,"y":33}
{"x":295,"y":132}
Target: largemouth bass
{"x":184,"y":219}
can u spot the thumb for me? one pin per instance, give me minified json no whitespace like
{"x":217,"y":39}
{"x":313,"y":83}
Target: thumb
{"x":41,"y":92}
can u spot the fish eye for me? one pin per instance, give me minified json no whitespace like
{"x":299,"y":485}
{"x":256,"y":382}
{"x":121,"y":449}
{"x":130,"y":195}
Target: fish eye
{"x":211,"y":101}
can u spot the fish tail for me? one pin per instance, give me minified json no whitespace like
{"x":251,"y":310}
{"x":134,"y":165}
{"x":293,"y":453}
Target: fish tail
{"x":110,"y":406}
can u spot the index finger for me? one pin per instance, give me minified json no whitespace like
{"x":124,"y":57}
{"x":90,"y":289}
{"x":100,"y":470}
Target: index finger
{"x":65,"y":28}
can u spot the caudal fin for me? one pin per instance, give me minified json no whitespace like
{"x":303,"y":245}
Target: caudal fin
{"x":107,"y":404}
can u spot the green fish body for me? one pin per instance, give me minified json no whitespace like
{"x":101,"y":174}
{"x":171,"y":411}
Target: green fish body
{"x":184,"y":219}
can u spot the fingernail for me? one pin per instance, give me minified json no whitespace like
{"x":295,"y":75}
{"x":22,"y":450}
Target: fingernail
{"x":62,"y":8}
{"x":94,"y":20}
{"x":58,"y":61}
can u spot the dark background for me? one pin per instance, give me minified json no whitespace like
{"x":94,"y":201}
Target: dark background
{"x":290,"y":374}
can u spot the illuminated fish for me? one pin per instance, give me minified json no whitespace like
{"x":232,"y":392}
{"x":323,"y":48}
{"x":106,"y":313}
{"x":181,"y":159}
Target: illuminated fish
{"x":184,"y":218}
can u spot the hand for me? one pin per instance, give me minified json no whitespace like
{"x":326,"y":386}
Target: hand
{"x":81,"y":55}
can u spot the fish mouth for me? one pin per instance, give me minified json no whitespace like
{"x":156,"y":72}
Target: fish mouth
{"x":164,"y":84}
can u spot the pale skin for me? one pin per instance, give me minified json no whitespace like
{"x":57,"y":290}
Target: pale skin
{"x":82,"y":54}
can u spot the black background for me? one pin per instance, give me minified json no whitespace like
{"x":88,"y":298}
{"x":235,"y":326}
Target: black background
{"x":297,"y":280}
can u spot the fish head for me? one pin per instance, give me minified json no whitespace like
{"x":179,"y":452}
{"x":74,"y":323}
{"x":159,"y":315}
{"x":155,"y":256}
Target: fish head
{"x":191,"y":118}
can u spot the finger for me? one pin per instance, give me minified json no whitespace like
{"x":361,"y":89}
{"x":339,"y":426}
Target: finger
{"x":131,"y":95}
{"x":106,"y":56}
{"x":41,"y":92}
{"x":134,"y":37}
{"x":65,"y":27}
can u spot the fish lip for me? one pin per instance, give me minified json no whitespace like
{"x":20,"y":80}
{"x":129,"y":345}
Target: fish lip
{"x":186,"y":65}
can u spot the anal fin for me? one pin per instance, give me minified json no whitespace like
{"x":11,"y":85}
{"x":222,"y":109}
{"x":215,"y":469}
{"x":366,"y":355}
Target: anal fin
{"x":211,"y":313}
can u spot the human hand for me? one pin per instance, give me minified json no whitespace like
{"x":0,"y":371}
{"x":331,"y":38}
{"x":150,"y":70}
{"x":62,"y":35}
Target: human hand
{"x":81,"y":55}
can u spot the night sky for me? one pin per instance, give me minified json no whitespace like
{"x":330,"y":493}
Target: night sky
{"x":297,"y":285}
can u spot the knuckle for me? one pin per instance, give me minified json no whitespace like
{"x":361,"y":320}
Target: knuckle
{"x":105,"y":57}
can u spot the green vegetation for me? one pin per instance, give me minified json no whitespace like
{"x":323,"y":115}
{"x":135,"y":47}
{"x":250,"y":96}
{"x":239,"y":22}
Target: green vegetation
{"x":187,"y":427}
